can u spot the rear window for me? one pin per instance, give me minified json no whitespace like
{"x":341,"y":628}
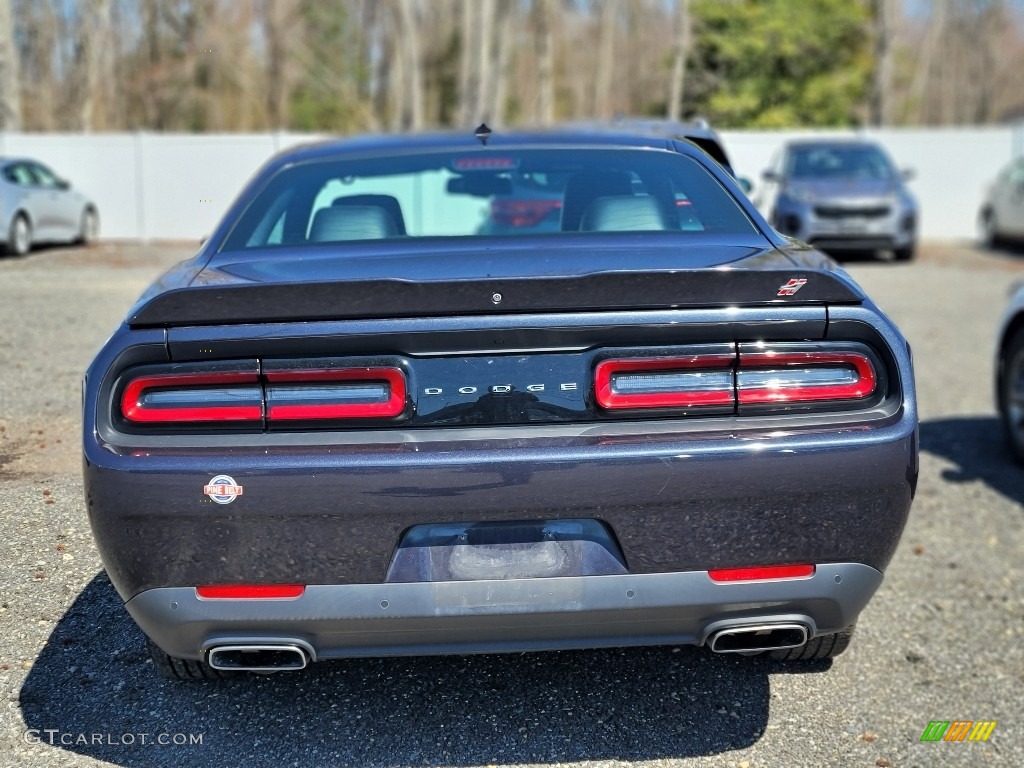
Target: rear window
{"x":487,"y":192}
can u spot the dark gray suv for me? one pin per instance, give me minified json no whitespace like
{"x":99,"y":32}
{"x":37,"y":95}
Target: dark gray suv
{"x":840,"y":195}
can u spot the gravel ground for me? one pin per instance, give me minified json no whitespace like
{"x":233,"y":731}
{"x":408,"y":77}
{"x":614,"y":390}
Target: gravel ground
{"x":943,"y":640}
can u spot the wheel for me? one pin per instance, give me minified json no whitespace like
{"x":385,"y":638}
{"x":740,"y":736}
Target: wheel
{"x":989,"y":229}
{"x":906,"y":253}
{"x":174,"y":668}
{"x":1011,"y":395}
{"x":19,"y":236}
{"x":815,"y":649}
{"x":89,"y":228}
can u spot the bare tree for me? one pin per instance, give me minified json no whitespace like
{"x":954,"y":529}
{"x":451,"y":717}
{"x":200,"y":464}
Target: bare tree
{"x":412,"y":69}
{"x":10,"y":96}
{"x":680,"y":51}
{"x":467,"y":73}
{"x":477,"y":68}
{"x":881,"y":87}
{"x":543,"y":20}
{"x":498,"y":87}
{"x":94,"y":70}
{"x":603,"y":106}
{"x":925,"y":60}
{"x":278,"y":18}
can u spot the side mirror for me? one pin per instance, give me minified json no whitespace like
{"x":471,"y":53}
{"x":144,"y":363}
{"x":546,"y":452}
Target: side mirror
{"x":908,"y":174}
{"x":63,"y":184}
{"x":745,"y":184}
{"x":770,"y":175}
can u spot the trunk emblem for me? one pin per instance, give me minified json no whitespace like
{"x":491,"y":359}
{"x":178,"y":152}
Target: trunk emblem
{"x":222,"y":489}
{"x":790,"y":288}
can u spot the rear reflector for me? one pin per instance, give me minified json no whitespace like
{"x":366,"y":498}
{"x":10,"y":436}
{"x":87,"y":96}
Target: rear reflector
{"x":762,"y":573}
{"x":193,"y":397}
{"x":665,"y":382}
{"x":343,"y":393}
{"x":250,"y":591}
{"x":803,"y":377}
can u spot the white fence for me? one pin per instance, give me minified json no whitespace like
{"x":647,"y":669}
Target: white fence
{"x":177,"y":186}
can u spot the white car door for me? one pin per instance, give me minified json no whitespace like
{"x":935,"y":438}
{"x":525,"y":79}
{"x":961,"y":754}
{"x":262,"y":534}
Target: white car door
{"x":31,"y":198}
{"x":62,"y":204}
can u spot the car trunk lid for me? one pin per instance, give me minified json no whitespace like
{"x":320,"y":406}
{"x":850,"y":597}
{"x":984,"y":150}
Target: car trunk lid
{"x":633,"y":272}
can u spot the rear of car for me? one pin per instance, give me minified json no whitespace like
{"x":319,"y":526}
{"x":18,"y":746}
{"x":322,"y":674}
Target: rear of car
{"x":354,"y":425}
{"x":842,"y":196}
{"x":1001,"y":218}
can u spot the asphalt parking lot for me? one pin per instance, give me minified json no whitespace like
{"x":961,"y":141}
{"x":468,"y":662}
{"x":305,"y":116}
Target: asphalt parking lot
{"x":943,"y":639}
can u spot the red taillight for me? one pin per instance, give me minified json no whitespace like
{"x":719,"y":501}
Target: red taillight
{"x":284,"y":394}
{"x":692,"y":381}
{"x":762,"y":573}
{"x":250,"y":591}
{"x":485,"y":163}
{"x":193,"y":397}
{"x":343,"y":393}
{"x":803,"y":377}
{"x":522,"y":213}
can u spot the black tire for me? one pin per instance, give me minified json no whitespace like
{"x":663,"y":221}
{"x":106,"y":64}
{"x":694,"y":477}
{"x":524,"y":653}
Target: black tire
{"x":89,"y":227}
{"x":815,"y":649}
{"x":906,"y":253}
{"x":19,"y":236}
{"x":1011,"y":409}
{"x":989,"y":229}
{"x":174,"y":668}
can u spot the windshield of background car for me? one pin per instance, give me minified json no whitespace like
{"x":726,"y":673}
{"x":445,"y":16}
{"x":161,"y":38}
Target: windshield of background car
{"x":839,"y":162}
{"x":487,"y":193}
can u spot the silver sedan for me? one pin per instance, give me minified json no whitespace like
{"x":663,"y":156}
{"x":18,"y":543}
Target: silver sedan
{"x":1001,"y":218}
{"x":37,"y":206}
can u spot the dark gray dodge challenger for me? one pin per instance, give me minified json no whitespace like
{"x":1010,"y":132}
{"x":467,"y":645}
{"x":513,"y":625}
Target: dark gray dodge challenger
{"x":361,"y":423}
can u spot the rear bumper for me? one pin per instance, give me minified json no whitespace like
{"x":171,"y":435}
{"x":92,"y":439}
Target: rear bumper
{"x":336,"y":621}
{"x":334,"y":514}
{"x":896,"y":229}
{"x":832,"y":243}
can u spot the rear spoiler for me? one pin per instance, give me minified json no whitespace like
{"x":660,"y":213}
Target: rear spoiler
{"x":393,"y":298}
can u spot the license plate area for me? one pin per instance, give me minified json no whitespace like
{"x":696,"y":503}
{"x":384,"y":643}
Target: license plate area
{"x":505,"y":550}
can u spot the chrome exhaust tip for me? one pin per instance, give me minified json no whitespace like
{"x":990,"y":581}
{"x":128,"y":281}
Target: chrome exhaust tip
{"x":750,"y":638}
{"x":258,"y":658}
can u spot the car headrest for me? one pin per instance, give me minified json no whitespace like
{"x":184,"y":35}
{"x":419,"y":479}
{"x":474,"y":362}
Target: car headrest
{"x":583,"y":188}
{"x":624,"y":214}
{"x":351,"y":222}
{"x":388,"y":202}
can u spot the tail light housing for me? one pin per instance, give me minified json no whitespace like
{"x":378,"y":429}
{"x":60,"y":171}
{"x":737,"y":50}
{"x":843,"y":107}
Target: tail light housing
{"x":703,"y":379}
{"x":248,"y":395}
{"x":794,"y":375}
{"x":744,"y":378}
{"x":194,"y":395}
{"x":347,"y":393}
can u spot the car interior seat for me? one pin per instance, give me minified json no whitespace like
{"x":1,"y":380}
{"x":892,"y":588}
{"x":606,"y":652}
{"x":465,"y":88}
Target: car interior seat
{"x":388,"y":202}
{"x":583,"y":188}
{"x":630,"y":213}
{"x":351,"y":222}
